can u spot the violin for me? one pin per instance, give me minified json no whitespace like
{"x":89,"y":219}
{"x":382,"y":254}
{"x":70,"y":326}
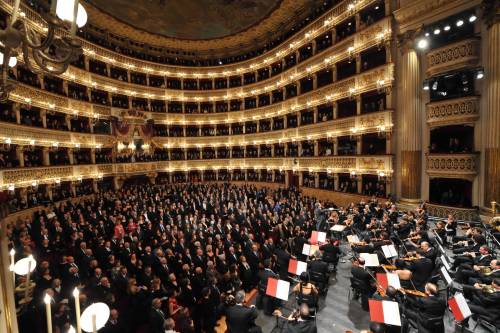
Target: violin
{"x":359,"y":243}
{"x":390,"y":267}
{"x":381,"y":290}
{"x":413,"y":292}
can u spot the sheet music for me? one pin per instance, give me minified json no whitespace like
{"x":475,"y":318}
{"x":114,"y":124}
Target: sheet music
{"x":446,"y":276}
{"x":371,"y":259}
{"x":353,"y":239}
{"x":389,"y":251}
{"x":338,"y":228}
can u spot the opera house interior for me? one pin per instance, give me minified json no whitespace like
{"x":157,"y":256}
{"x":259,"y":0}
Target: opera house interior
{"x":249,"y":166}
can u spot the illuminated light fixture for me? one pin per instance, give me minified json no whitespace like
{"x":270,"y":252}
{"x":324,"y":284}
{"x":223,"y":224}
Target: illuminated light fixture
{"x":32,"y":142}
{"x":11,"y":187}
{"x":12,"y":60}
{"x":94,"y":317}
{"x":426,"y":85}
{"x":350,"y":49}
{"x":8,"y":141}
{"x":472,"y":18}
{"x":34,"y":184}
{"x":427,"y":34}
{"x":351,"y":6}
{"x":58,"y":181}
{"x":381,"y":174}
{"x":46,"y":53}
{"x":437,"y":31}
{"x":480,"y":74}
{"x":422,"y":43}
{"x":353,"y":173}
{"x":55,"y":144}
{"x":446,"y":28}
{"x":460,"y":23}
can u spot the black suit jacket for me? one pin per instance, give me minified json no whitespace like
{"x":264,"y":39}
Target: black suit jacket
{"x":156,"y":322}
{"x":240,"y":319}
{"x":422,"y":271}
{"x":363,"y":277}
{"x":306,"y":326}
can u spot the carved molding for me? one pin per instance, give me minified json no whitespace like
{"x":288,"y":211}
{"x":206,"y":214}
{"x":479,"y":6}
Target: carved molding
{"x":491,"y":12}
{"x":23,"y":177}
{"x":361,"y":83}
{"x":456,"y":111}
{"x":453,"y":56}
{"x":23,"y":135}
{"x":335,"y":15}
{"x":464,"y":166}
{"x":465,"y":214}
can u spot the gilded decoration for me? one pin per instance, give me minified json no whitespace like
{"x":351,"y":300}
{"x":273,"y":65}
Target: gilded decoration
{"x":453,"y":56}
{"x":463,"y":166}
{"x":320,"y":26}
{"x":457,"y":111}
{"x":361,"y":83}
{"x":462,"y":214}
{"x":40,"y":174}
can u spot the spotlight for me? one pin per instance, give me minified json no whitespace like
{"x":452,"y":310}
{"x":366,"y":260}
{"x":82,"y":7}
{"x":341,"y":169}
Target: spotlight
{"x":426,"y":85}
{"x":460,"y":23}
{"x":220,"y":62}
{"x":480,"y":74}
{"x":472,"y":18}
{"x":422,"y":43}
{"x":447,"y":28}
{"x":435,"y":86}
{"x":377,"y":7}
{"x":427,"y":34}
{"x":437,"y":31}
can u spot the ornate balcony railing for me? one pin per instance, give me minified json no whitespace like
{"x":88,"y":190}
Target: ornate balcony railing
{"x":23,"y":177}
{"x":464,"y":166}
{"x":357,"y":125}
{"x":463,"y":214}
{"x":28,"y":135}
{"x":455,"y":111}
{"x":378,"y":78}
{"x":326,"y":59}
{"x":453,"y":56}
{"x":308,"y":34}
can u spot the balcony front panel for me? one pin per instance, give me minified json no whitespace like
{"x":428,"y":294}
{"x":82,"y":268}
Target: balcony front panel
{"x":453,"y":112}
{"x":461,"y":214}
{"x":24,"y":177}
{"x":463,"y":166}
{"x":350,"y":87}
{"x":338,"y":52}
{"x":369,"y":123}
{"x":28,"y":135}
{"x":309,"y":33}
{"x":453,"y":56}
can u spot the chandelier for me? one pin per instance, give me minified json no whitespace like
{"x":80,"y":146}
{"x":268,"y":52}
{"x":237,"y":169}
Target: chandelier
{"x":49,"y":54}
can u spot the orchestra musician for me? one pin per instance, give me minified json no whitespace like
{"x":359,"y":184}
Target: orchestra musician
{"x":306,"y":291}
{"x":427,"y":312}
{"x":485,"y":274}
{"x":359,"y":272}
{"x":299,"y":321}
{"x":484,"y":301}
{"x":263,"y":301}
{"x":421,"y":268}
{"x":465,"y":267}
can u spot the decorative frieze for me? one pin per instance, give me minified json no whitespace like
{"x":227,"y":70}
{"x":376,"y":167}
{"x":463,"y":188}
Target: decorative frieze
{"x":464,"y":166}
{"x":23,"y":177}
{"x":455,"y":111}
{"x":462,"y":214}
{"x":453,"y":56}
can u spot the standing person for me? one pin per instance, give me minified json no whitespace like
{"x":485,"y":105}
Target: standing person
{"x":240,"y":318}
{"x":156,"y":317}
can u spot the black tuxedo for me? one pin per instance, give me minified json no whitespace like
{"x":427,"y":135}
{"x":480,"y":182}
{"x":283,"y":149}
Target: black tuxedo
{"x":156,"y":321}
{"x":240,"y":319}
{"x":422,"y":271}
{"x":302,"y":326}
{"x":428,"y":313}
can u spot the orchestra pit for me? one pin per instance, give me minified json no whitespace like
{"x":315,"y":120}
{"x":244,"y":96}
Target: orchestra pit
{"x":249,"y":166}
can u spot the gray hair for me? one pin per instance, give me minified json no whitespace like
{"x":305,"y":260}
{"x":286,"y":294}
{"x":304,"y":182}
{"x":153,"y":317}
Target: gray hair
{"x":240,"y":296}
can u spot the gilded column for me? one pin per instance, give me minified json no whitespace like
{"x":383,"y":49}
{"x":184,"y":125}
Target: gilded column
{"x":491,"y":9}
{"x":410,"y":119}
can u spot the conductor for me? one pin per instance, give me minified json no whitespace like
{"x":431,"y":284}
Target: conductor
{"x":240,"y":318}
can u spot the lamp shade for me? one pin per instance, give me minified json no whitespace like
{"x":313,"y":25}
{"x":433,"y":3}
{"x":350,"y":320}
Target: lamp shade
{"x":21,"y":267}
{"x":64,"y":10}
{"x":101,"y":312}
